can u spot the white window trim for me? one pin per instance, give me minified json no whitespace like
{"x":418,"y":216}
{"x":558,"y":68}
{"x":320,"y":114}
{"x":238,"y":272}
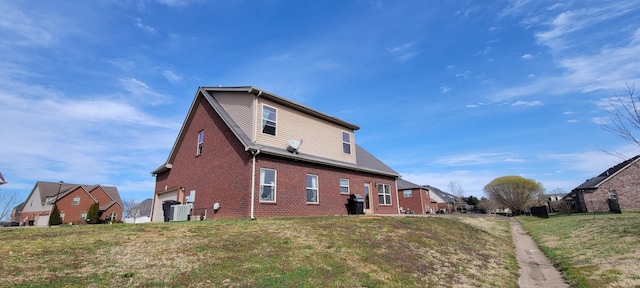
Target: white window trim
{"x":613,"y":193}
{"x":404,"y":193}
{"x":275,"y":122}
{"x":74,"y":203}
{"x":344,"y":142}
{"x":348,"y":186}
{"x":200,"y":143}
{"x":385,"y":193}
{"x":317,"y":189}
{"x":273,"y":185}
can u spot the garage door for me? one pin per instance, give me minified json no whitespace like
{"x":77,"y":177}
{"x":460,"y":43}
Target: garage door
{"x":43,"y":220}
{"x":158,"y":215}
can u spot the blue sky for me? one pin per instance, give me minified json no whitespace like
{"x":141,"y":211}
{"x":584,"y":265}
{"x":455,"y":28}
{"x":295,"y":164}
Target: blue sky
{"x":95,"y":92}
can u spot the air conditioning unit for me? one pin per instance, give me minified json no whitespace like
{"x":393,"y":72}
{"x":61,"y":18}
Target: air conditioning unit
{"x":180,"y":212}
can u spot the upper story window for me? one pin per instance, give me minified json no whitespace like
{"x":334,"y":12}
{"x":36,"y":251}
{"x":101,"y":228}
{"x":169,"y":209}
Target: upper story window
{"x":312,"y":188}
{"x":200,"y":142}
{"x":267,"y":185}
{"x":613,"y":194}
{"x":407,"y":193}
{"x":76,"y":200}
{"x":384,"y":194}
{"x":344,"y":186}
{"x":268,"y":120}
{"x":346,"y":142}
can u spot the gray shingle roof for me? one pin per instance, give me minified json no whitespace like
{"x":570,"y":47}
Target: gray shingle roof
{"x":404,"y":184}
{"x":2,"y":181}
{"x":593,"y":183}
{"x":50,"y":189}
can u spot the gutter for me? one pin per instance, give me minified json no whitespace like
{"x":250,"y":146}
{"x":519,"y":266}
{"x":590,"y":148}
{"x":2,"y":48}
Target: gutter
{"x":253,"y":181}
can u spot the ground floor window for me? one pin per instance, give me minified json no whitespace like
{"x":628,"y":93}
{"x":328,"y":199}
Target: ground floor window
{"x":613,"y":194}
{"x":407,"y":193}
{"x":267,"y":185}
{"x":83,"y":216}
{"x":312,"y":188}
{"x":384,"y":194}
{"x":344,"y":186}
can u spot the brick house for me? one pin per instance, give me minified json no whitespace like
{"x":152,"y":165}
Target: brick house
{"x":413,"y":198}
{"x":620,"y":183}
{"x":73,"y":201}
{"x":440,"y":201}
{"x":243,"y":152}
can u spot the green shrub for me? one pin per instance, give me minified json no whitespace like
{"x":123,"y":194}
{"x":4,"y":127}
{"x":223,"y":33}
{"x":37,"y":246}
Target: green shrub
{"x":54,"y":218}
{"x":92,"y":215}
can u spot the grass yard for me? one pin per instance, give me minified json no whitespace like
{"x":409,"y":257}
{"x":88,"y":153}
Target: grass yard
{"x":341,"y":251}
{"x":592,"y":250}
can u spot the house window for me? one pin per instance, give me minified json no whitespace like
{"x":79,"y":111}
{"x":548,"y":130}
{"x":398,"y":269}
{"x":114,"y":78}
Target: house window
{"x":344,"y":186}
{"x":384,"y":194}
{"x":268,"y":120}
{"x":61,"y":216}
{"x":407,"y":193}
{"x":76,"y":200}
{"x":83,"y":216}
{"x":200,"y":141}
{"x":312,"y":188}
{"x":613,"y":194}
{"x":267,"y":185}
{"x":346,"y":142}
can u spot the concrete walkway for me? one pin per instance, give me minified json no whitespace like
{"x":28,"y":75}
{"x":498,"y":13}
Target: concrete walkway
{"x":535,"y":268}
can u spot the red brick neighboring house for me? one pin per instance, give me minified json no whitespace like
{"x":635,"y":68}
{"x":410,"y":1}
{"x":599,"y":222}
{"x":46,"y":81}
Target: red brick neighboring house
{"x":619,"y":183}
{"x":73,"y":201}
{"x":413,"y":198}
{"x":243,"y":152}
{"x":441,"y":202}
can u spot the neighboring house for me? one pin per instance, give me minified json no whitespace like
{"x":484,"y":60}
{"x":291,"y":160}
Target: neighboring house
{"x":73,"y":201}
{"x":140,"y":213}
{"x":243,"y":152}
{"x":2,"y":181}
{"x":413,"y":198}
{"x":620,"y":183}
{"x":440,"y":201}
{"x":15,"y":213}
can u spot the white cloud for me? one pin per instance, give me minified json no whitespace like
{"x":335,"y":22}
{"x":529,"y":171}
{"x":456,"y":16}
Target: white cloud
{"x":472,"y":106}
{"x":531,"y":75}
{"x":141,"y":91}
{"x":601,"y":120}
{"x":476,"y":159}
{"x":143,"y":27}
{"x":172,"y":77}
{"x":444,"y":89}
{"x":572,"y":121}
{"x":527,"y":56}
{"x":403,"y":52}
{"x":526,"y":103}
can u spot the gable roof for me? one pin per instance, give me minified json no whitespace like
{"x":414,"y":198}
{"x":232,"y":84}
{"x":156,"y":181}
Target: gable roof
{"x":404,"y":184}
{"x":364,"y":160}
{"x":144,"y":208}
{"x":50,"y":189}
{"x":446,"y":197}
{"x":594,"y":183}
{"x":2,"y":181}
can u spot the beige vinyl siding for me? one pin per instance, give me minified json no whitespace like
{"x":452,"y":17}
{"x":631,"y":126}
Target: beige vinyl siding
{"x":37,"y":203}
{"x":240,"y":107}
{"x":319,"y":137}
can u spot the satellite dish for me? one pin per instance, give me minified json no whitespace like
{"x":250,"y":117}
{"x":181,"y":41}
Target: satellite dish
{"x":294,"y":145}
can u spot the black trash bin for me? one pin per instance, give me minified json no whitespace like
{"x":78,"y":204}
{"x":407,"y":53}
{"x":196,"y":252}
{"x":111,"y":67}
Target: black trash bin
{"x":166,"y":208}
{"x":356,"y":204}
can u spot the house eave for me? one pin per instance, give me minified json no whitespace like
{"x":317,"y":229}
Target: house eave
{"x":164,"y":168}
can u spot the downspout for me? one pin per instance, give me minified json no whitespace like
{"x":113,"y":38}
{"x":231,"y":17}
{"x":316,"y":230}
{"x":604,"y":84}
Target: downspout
{"x":253,"y":181}
{"x":397,"y":197}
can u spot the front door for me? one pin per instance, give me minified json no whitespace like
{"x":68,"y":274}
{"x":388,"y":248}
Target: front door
{"x":368,"y":208}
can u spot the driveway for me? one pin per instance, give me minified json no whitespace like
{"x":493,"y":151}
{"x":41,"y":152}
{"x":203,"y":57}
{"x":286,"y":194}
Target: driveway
{"x":535,"y":268}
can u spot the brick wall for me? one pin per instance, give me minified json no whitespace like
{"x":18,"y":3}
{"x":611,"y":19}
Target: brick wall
{"x":72,"y":212}
{"x":417,"y":202}
{"x":627,"y":186}
{"x":222,"y":174}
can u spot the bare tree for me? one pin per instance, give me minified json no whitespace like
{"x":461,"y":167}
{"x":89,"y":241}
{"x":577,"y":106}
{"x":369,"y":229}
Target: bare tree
{"x":514,"y":192}
{"x":458,"y":193}
{"x":128,"y":205}
{"x":8,"y":200}
{"x":626,"y":116}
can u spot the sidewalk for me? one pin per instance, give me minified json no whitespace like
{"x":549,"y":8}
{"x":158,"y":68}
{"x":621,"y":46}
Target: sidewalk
{"x":535,"y":268}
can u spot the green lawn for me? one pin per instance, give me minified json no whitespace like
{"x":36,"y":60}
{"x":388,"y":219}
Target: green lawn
{"x":341,"y":251}
{"x":592,"y":250}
